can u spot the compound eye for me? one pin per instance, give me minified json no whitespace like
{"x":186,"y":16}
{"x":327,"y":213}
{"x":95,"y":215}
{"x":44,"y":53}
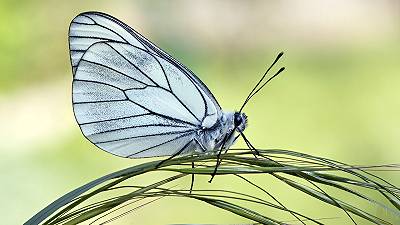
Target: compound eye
{"x":237,"y":119}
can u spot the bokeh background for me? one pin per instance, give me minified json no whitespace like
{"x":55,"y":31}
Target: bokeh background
{"x":339,"y":97}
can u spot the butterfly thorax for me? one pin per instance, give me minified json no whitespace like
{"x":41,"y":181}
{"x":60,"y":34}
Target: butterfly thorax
{"x":220,"y":134}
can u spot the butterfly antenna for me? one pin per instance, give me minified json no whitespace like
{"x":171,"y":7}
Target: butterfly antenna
{"x":257,"y":87}
{"x":254,"y":91}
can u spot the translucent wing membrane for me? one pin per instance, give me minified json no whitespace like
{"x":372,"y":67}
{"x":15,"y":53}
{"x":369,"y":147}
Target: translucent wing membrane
{"x":131,"y":98}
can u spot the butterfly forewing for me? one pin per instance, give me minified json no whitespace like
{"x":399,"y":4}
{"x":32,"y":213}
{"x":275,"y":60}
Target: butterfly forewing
{"x":131,"y":98}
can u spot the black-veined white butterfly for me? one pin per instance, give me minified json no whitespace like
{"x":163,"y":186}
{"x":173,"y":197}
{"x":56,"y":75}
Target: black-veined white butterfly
{"x":132,"y":99}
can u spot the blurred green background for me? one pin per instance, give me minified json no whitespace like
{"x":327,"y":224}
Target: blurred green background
{"x":339,"y":97}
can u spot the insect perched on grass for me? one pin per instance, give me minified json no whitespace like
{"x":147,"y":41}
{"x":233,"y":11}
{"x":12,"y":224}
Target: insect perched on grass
{"x":134,"y":100}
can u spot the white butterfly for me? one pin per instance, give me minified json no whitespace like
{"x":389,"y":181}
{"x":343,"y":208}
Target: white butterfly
{"x":132,"y":99}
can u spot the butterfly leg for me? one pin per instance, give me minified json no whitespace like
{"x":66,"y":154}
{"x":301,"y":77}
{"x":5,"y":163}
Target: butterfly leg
{"x":221,"y":148}
{"x":253,"y":150}
{"x":203,"y":149}
{"x":192,"y":182}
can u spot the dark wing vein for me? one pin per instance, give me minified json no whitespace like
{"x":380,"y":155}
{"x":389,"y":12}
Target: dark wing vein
{"x":102,"y":101}
{"x":138,"y":126}
{"x":79,"y":50}
{"x":89,"y":18}
{"x":162,"y":115}
{"x":92,"y":37}
{"x":154,"y":146}
{"x":162,"y":68}
{"x":99,"y":82}
{"x":112,"y":31}
{"x":147,"y":135}
{"x":115,"y":70}
{"x":119,"y":118}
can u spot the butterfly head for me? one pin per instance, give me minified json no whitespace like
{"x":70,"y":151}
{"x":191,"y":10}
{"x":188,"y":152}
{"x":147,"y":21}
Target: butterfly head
{"x":240,"y":121}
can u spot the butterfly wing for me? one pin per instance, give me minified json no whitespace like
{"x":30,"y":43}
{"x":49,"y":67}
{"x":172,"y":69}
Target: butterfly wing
{"x":92,"y":27}
{"x":129,"y":98}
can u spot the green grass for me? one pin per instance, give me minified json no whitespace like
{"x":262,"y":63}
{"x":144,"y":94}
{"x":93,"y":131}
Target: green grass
{"x":119,"y":194}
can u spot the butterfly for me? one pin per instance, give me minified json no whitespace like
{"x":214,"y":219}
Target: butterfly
{"x":134,"y":100}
